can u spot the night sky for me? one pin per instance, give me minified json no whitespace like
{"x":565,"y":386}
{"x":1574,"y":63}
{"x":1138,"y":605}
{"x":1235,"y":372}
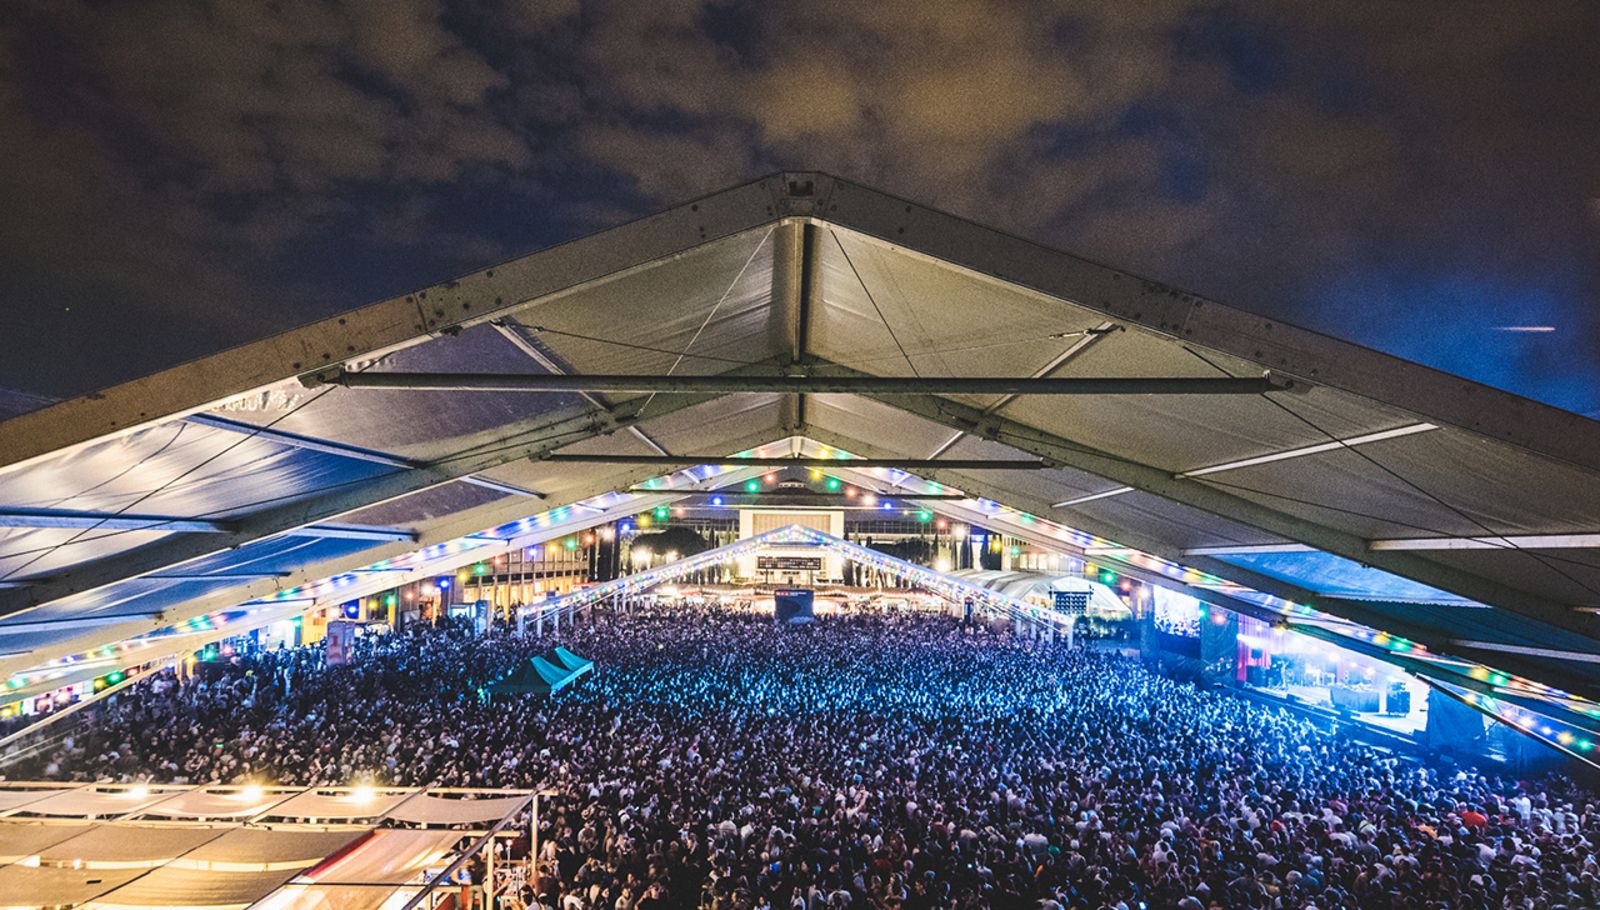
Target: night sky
{"x":179,"y":176}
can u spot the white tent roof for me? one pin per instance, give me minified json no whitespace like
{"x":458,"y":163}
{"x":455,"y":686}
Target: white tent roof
{"x":1373,"y":489}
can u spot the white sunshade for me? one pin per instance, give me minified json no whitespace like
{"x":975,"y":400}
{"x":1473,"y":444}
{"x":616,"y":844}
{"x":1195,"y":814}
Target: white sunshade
{"x":216,"y":804}
{"x":300,"y":896}
{"x":13,"y":799}
{"x":21,"y":840}
{"x":436,"y":810}
{"x":260,"y":849}
{"x":126,"y":846}
{"x":173,"y":887}
{"x":391,"y":856}
{"x":332,"y":806}
{"x":93,"y":803}
{"x":55,"y":886}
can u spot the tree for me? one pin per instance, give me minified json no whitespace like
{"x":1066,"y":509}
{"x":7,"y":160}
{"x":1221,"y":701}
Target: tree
{"x":679,"y":540}
{"x":911,"y":549}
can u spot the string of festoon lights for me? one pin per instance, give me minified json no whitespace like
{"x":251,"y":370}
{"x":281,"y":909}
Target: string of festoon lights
{"x":953,"y":589}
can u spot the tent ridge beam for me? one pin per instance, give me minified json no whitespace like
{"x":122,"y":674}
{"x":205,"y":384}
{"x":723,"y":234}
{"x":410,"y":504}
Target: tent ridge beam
{"x":811,"y":384}
{"x":998,"y":464}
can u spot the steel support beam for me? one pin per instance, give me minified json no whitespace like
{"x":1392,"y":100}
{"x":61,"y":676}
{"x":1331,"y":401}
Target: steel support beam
{"x":115,"y":521}
{"x":216,"y":576}
{"x":1246,"y":549}
{"x":970,"y":464}
{"x":1199,"y":495}
{"x":81,"y":622}
{"x":815,"y":499}
{"x":724,"y":384}
{"x":355,"y":532}
{"x":70,"y":519}
{"x":506,"y":488}
{"x":1513,"y":542}
{"x":299,"y":441}
{"x":796,"y":286}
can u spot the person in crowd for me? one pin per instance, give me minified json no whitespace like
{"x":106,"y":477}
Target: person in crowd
{"x":895,"y":760}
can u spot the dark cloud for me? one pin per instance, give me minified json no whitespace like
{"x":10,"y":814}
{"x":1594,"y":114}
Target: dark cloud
{"x":193,"y":174}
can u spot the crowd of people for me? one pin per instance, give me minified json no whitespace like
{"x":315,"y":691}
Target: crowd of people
{"x":716,"y":761}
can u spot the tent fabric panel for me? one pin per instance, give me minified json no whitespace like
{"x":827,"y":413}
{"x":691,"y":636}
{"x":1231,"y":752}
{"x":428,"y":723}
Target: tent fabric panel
{"x":207,"y":804}
{"x":565,"y":482}
{"x":57,"y":886}
{"x":152,"y":594}
{"x":1178,"y":525}
{"x":193,"y":889}
{"x":275,"y":554}
{"x":890,"y":313}
{"x":1335,"y":576}
{"x":1171,"y":432}
{"x":1479,"y":624}
{"x":1435,"y":484}
{"x":30,"y":552}
{"x":435,"y":810}
{"x":558,"y":678}
{"x":102,"y":844}
{"x":1566,"y":576}
{"x":301,"y":896}
{"x":134,"y":595}
{"x":92,"y":802}
{"x":425,"y":505}
{"x":570,"y":661}
{"x":388,"y":856}
{"x":312,"y":804}
{"x":274,"y":846}
{"x":1042,"y":487}
{"x":178,"y":468}
{"x":1510,"y":490}
{"x":11,"y":798}
{"x":868,"y":421}
{"x":725,"y":286}
{"x":1340,"y":489}
{"x":22,"y":840}
{"x":712,"y":427}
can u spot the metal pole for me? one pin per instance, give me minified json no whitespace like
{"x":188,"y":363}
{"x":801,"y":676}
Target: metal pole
{"x":534,"y":856}
{"x":488,"y":885}
{"x":876,"y":385}
{"x":909,"y":464}
{"x":429,"y":888}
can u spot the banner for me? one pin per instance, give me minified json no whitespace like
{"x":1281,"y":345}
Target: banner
{"x":340,"y":641}
{"x":792,"y":606}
